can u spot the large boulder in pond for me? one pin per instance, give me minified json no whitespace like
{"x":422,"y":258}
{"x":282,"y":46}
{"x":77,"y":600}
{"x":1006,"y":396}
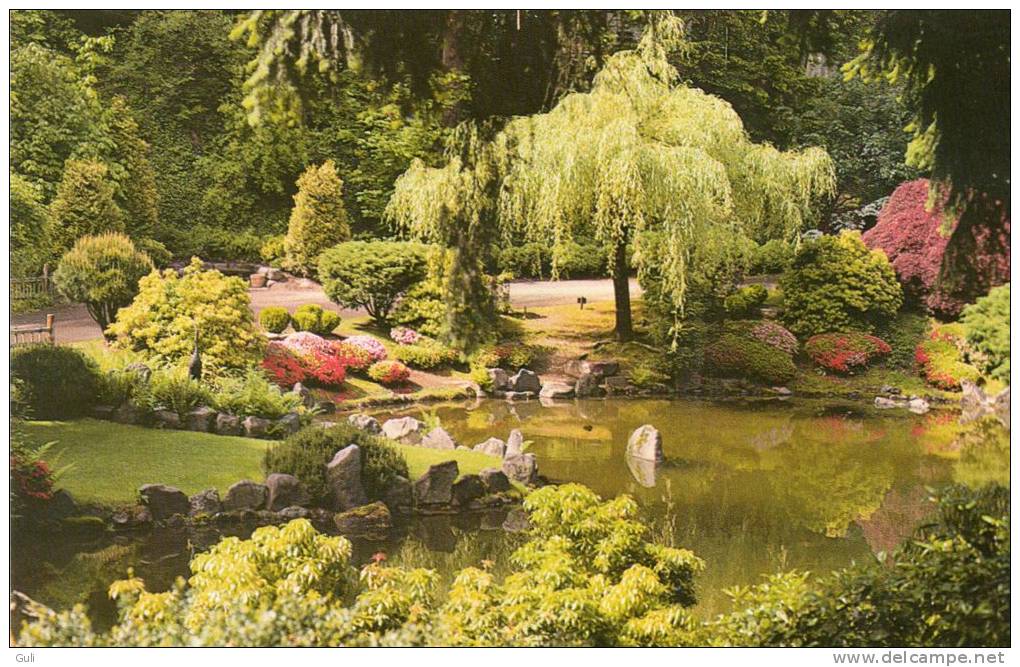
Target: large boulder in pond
{"x":205,"y":502}
{"x":495,"y":480}
{"x":492,"y":447}
{"x":514,"y":444}
{"x":645,"y":443}
{"x":405,"y":430}
{"x":438,"y":438}
{"x":343,"y":477}
{"x":556,"y":390}
{"x":164,"y":501}
{"x":245,"y":495}
{"x":643,"y":471}
{"x":373,"y":519}
{"x":365,"y":423}
{"x":525,"y":381}
{"x":435,"y":487}
{"x":522,"y":468}
{"x":285,"y":491}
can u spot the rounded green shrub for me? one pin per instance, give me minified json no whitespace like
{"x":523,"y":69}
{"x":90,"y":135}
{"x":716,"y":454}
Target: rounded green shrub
{"x":102,"y":272}
{"x":57,"y":382}
{"x":987,"y":326}
{"x":306,"y":453}
{"x":746,"y":301}
{"x":274,"y":319}
{"x":315,"y":319}
{"x":372,"y":274}
{"x":837,"y":284}
{"x":739,"y":357}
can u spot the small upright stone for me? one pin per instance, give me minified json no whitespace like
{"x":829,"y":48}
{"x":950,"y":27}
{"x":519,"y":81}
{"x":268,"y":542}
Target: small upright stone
{"x":405,"y":430}
{"x":285,"y":491}
{"x":514,"y":444}
{"x":525,"y":381}
{"x":522,"y":468}
{"x":492,"y":446}
{"x":498,"y":378}
{"x":438,"y":438}
{"x":365,"y":423}
{"x":435,"y":486}
{"x":343,"y":475}
{"x":645,"y":443}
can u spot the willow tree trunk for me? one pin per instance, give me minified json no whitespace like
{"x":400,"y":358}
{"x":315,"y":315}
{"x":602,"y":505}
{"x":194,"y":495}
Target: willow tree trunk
{"x":621,"y":291}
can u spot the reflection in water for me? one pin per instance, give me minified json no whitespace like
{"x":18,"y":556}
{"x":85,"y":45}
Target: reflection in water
{"x":751,"y":487}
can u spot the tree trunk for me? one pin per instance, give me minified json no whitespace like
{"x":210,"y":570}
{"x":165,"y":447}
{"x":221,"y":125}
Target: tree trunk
{"x":621,"y":291}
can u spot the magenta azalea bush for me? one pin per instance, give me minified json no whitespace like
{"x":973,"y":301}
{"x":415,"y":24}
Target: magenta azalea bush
{"x":775,"y":335}
{"x":404,"y":335}
{"x":376,"y":349}
{"x":304,"y":342}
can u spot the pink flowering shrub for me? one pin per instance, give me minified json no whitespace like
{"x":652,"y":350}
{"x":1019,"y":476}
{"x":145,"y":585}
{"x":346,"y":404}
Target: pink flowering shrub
{"x":914,"y":238}
{"x":376,"y":349}
{"x":845,"y":352}
{"x":404,"y":335}
{"x":305,"y":343}
{"x":775,"y":335}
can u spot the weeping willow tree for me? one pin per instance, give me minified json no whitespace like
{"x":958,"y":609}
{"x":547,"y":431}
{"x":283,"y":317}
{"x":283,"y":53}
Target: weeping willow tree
{"x":640,"y":158}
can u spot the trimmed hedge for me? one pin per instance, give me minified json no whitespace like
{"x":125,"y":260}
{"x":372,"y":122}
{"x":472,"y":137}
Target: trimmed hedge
{"x":314,"y":318}
{"x":57,"y":382}
{"x":737,"y":356}
{"x":274,"y":319}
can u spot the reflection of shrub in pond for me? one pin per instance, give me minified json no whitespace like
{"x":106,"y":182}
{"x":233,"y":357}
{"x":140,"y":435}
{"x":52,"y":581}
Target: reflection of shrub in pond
{"x":984,"y":454}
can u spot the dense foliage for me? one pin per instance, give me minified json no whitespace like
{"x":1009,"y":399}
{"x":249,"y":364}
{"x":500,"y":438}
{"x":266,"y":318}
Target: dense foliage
{"x":987,"y":326}
{"x":84,"y":205}
{"x":738,"y":356}
{"x":306,"y":453}
{"x":746,"y":301}
{"x":170,"y":311}
{"x":27,"y":228}
{"x":56,"y":381}
{"x":425,"y":354}
{"x":274,"y":319}
{"x":371,"y":275}
{"x":940,"y":358}
{"x":314,"y":318}
{"x":837,"y":284}
{"x":102,"y":272}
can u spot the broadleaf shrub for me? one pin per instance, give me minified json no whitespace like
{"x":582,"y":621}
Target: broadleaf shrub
{"x":355,"y":358}
{"x":162,"y":320}
{"x":987,"y":326}
{"x":306,"y":453}
{"x":845,"y":352}
{"x":771,"y":333}
{"x":389,"y":372}
{"x":404,"y":336}
{"x":837,"y":284}
{"x":741,"y":357}
{"x":914,"y":237}
{"x":274,"y":319}
{"x":251,"y":394}
{"x":57,"y":382}
{"x":940,"y":358}
{"x":314,"y":318}
{"x":371,"y":274}
{"x":176,"y":391}
{"x":102,"y":272}
{"x":745,"y":301}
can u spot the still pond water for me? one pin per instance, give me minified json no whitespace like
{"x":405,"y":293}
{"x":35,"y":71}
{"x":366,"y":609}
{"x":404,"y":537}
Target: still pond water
{"x":752,"y":487}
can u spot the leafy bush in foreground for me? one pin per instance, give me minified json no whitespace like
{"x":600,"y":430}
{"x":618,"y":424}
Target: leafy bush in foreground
{"x":845,"y":352}
{"x":586,"y":576}
{"x":837,"y":284}
{"x":56,"y":382}
{"x":987,"y":326}
{"x":306,"y":453}
{"x":253,"y":395}
{"x":737,"y":356}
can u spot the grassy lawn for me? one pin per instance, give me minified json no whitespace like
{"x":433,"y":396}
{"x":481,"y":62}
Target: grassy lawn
{"x":110,"y":461}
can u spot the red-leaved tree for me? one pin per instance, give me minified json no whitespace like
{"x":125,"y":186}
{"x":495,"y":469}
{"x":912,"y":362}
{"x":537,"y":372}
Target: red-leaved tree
{"x":914,"y":237}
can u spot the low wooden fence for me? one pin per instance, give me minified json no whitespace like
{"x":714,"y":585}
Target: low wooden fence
{"x":26,"y":334}
{"x":27,"y":289}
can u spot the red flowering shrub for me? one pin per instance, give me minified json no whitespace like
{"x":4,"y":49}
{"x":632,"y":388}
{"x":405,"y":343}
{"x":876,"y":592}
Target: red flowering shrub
{"x":913,"y":239}
{"x":845,"y":352}
{"x":327,"y":370}
{"x":939,"y":359}
{"x":283,"y":366}
{"x":31,"y":480}
{"x":389,"y":372}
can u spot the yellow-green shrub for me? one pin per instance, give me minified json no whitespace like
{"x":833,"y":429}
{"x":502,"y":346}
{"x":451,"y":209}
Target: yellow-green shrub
{"x":314,"y":318}
{"x":318,"y":220}
{"x":274,"y":319}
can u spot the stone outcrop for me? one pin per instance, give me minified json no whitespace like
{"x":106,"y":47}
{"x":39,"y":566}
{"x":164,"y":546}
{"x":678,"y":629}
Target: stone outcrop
{"x":556,"y":390}
{"x":525,"y":381}
{"x":467,"y":489}
{"x":398,"y":496}
{"x":256,"y":427}
{"x":645,"y":443}
{"x":365,"y":423}
{"x":285,"y":491}
{"x":438,"y":438}
{"x":164,"y":501}
{"x":975,"y":404}
{"x":205,"y":502}
{"x":435,"y":486}
{"x":522,"y":468}
{"x":495,"y":480}
{"x":514,"y":444}
{"x":372,"y":519}
{"x":343,"y":476}
{"x":289,"y":423}
{"x":600,"y":370}
{"x":167,"y":419}
{"x":498,"y":378}
{"x":492,"y":446}
{"x":245,"y":495}
{"x":227,"y":424}
{"x":405,"y":430}
{"x":200,"y":419}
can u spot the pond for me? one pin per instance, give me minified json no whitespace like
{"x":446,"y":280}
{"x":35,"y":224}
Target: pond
{"x":753,"y":487}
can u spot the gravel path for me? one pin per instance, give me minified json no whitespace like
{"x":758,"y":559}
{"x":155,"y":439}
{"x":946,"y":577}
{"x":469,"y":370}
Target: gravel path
{"x":73,"y":323}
